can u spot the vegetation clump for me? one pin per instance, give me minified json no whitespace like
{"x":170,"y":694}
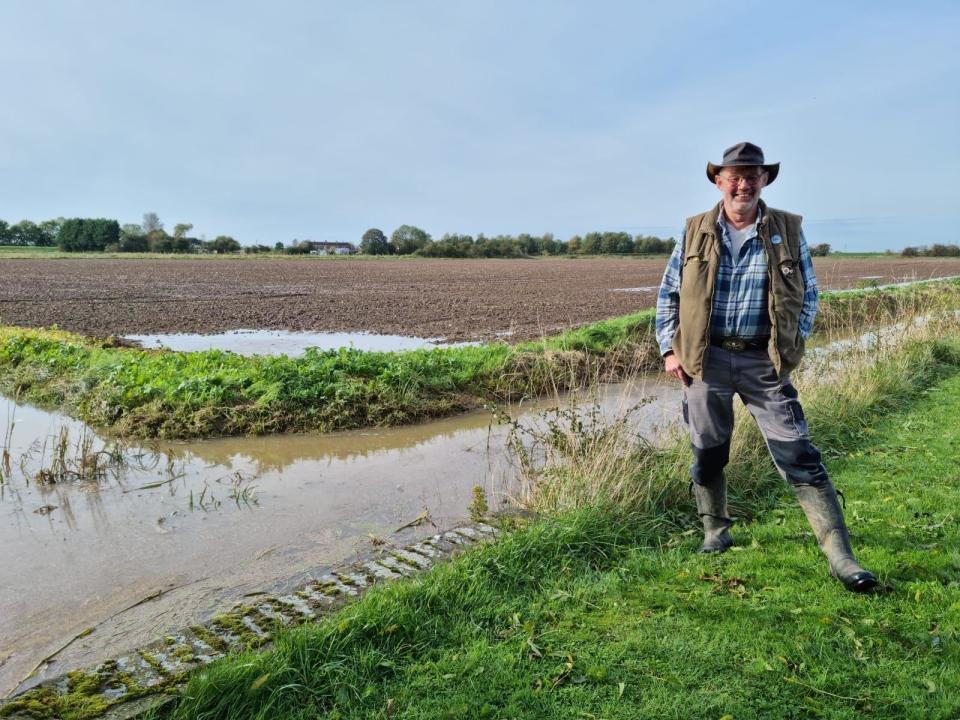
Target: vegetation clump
{"x":82,"y":699}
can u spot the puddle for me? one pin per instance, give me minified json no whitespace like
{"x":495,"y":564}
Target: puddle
{"x":209,"y":521}
{"x":904,"y":282}
{"x":282,"y":342}
{"x":648,"y":288}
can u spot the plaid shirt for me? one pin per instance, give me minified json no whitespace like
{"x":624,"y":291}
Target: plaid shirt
{"x":740,"y":295}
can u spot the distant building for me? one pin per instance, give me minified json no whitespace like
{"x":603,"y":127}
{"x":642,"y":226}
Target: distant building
{"x":330,"y":248}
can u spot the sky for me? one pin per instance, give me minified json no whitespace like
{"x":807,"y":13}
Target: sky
{"x":317,"y":120}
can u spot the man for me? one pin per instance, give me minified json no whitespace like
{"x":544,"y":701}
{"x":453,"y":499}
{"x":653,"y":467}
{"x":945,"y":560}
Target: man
{"x":735,"y":306}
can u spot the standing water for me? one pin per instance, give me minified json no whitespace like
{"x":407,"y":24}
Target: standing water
{"x":88,"y":541}
{"x":292,"y":344}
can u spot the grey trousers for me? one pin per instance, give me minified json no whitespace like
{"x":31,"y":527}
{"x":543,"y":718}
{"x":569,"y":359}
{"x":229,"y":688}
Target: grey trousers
{"x":708,"y":412}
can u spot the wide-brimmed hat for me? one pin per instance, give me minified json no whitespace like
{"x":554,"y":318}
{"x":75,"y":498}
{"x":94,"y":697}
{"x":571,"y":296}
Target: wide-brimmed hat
{"x":743,"y":154}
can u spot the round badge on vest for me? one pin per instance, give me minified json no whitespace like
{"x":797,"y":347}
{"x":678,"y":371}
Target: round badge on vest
{"x":776,"y":240}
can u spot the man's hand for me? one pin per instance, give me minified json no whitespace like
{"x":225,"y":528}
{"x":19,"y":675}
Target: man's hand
{"x":672,"y":366}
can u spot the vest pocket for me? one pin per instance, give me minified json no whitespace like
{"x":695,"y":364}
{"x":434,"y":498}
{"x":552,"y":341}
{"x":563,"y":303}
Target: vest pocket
{"x":696,"y":268}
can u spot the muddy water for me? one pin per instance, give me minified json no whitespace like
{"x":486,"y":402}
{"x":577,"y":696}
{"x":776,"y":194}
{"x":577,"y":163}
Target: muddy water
{"x":276,"y":342}
{"x":207,"y":522}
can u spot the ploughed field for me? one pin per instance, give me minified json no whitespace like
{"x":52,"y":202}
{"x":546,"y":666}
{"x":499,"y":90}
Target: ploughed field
{"x":453,"y":299}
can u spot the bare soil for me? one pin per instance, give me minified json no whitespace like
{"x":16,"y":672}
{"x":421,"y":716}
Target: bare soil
{"x":453,"y":299}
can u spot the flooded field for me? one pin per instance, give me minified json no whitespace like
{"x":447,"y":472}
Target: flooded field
{"x":203,"y":523}
{"x":452,"y":299}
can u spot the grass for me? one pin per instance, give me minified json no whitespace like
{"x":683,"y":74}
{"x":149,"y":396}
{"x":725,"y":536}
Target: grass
{"x":151,"y":393}
{"x":604,"y":610}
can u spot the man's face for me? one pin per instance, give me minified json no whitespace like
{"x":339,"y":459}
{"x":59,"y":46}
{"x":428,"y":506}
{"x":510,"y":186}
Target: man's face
{"x":741,"y":187}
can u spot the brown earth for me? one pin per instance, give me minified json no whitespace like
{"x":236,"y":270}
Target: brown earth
{"x":454,"y":299}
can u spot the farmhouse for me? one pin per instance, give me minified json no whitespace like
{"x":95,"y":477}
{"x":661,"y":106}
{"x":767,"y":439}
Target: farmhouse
{"x":330,"y":248}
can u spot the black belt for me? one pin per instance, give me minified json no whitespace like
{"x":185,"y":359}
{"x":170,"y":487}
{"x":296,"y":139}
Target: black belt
{"x":737,"y":344}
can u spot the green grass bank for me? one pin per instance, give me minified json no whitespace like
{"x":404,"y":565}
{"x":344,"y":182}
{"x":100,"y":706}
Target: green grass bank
{"x":610,"y":613}
{"x":141,"y":393}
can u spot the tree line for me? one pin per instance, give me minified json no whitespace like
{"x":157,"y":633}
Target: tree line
{"x":104,"y":235}
{"x":28,"y":233}
{"x":100,"y":234}
{"x":935,"y":250}
{"x":411,"y":240}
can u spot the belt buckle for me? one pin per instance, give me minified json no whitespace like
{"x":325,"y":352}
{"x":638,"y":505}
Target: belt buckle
{"x":733,"y":345}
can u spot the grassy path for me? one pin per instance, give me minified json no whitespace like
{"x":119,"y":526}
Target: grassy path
{"x":570,"y":619}
{"x":760,"y":632}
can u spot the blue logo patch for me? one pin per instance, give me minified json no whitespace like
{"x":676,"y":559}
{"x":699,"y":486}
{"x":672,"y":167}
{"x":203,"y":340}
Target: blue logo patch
{"x":776,"y":240}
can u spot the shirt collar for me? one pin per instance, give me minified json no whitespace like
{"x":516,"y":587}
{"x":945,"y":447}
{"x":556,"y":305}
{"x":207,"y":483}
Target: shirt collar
{"x":725,"y":229}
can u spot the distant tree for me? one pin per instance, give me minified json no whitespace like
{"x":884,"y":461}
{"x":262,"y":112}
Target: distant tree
{"x":225,"y":244}
{"x":374,"y":242}
{"x":50,"y":229}
{"x":296,"y":247}
{"x":940,"y":250}
{"x":151,"y":222}
{"x":104,"y":233}
{"x":592,"y":244}
{"x":180,"y":230}
{"x":133,"y":243}
{"x":450,"y":246}
{"x":85,"y":234}
{"x":527,"y":244}
{"x":652,"y":245}
{"x":407,"y":239}
{"x":133,"y":239}
{"x":68,"y":239}
{"x":910,"y":252}
{"x":615,"y":243}
{"x":821,"y":250}
{"x":5,"y":237}
{"x":550,"y":245}
{"x":278,"y":245}
{"x":159,"y":241}
{"x":27,"y":232}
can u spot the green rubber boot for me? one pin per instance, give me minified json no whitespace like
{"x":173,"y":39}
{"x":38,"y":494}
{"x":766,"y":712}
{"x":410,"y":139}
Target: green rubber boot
{"x":712,"y":508}
{"x":826,"y":518}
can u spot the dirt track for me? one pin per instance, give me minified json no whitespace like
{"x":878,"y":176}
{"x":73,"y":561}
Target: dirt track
{"x":455,"y":299}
